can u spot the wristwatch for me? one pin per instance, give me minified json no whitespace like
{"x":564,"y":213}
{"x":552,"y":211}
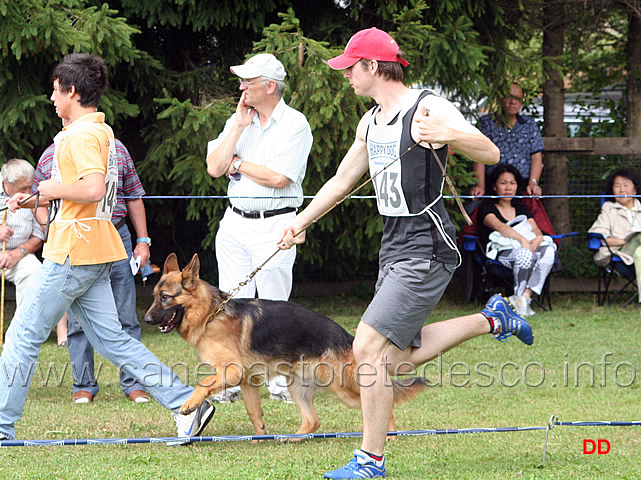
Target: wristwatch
{"x":536,"y":182}
{"x":24,"y":252}
{"x":146,"y":240}
{"x":236,"y":164}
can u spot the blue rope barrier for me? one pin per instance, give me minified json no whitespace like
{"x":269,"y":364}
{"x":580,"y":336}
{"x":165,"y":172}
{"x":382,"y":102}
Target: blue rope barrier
{"x":309,"y":436}
{"x":635,"y":423}
{"x":237,"y":438}
{"x":361,"y":197}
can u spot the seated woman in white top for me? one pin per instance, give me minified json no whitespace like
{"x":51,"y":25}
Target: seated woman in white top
{"x":620,"y":221}
{"x":619,"y":216}
{"x":510,"y":234}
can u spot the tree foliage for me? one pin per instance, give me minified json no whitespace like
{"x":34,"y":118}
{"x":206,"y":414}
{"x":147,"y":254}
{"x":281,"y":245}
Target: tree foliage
{"x":33,"y":39}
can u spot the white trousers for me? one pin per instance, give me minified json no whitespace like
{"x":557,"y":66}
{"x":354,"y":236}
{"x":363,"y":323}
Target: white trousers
{"x":20,"y":274}
{"x":243,"y":244}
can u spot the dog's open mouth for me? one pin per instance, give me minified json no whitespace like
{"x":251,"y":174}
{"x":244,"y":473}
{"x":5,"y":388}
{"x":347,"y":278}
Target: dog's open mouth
{"x":173,"y":322}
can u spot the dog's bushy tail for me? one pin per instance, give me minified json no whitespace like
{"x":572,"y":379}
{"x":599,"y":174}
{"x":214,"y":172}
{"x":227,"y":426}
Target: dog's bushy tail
{"x":408,"y":388}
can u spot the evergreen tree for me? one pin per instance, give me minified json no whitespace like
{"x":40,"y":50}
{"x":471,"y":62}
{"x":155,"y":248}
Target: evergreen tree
{"x":34,"y":36}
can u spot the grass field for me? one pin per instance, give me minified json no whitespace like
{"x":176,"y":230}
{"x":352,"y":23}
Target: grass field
{"x":584,"y":365}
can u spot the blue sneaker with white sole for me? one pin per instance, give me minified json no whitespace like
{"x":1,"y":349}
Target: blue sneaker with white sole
{"x":361,"y":466}
{"x":508,"y":321}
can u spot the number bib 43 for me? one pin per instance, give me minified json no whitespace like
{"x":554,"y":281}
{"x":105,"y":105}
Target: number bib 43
{"x":404,"y":186}
{"x":387,"y":181}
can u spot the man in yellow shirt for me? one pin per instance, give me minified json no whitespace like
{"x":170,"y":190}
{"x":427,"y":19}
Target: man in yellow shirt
{"x":81,"y":246}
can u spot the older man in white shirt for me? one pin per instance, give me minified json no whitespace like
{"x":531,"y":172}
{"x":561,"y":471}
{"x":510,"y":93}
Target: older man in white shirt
{"x":263,"y":150}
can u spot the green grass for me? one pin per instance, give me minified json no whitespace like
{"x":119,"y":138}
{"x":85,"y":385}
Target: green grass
{"x":576,"y":332}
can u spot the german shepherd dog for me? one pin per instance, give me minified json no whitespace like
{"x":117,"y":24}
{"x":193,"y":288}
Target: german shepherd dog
{"x":250,"y":340}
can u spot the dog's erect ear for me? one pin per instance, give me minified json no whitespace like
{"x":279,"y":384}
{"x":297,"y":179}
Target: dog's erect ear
{"x":191,"y":273}
{"x":171,"y":264}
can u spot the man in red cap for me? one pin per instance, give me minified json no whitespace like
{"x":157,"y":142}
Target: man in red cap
{"x":418,"y":252}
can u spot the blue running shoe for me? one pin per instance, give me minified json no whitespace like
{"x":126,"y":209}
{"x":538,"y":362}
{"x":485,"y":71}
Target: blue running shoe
{"x":361,"y":466}
{"x":509,"y":322}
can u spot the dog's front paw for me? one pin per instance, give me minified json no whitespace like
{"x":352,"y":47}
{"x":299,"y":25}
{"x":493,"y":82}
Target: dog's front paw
{"x":189,"y":407}
{"x":194,"y":401}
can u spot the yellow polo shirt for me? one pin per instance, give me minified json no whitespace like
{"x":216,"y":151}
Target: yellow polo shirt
{"x":79,"y":232}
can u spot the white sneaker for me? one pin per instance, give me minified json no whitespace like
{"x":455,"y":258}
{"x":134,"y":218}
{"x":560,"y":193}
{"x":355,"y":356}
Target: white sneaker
{"x":227,"y":396}
{"x":283,"y":396}
{"x":520,"y":304}
{"x":529,"y":310}
{"x":193,"y":424}
{"x":514,"y":300}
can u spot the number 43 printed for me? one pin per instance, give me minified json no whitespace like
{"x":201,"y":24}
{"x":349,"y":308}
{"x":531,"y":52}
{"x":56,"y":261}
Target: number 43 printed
{"x":387,"y":187}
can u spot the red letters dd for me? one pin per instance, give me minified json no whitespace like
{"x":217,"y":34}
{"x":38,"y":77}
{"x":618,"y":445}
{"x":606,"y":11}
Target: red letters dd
{"x":601,"y":446}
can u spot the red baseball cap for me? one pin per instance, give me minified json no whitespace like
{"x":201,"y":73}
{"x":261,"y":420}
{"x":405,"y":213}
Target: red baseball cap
{"x":371,"y":44}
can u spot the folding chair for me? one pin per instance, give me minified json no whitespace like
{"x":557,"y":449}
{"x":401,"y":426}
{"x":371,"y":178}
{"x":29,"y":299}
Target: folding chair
{"x":486,"y":276}
{"x":615,"y":267}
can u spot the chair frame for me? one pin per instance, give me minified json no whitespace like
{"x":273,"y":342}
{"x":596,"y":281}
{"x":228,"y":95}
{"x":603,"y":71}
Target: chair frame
{"x":493,"y":275}
{"x":615,"y":266}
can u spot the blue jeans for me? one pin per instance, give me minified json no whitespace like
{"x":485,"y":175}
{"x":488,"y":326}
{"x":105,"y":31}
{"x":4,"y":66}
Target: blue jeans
{"x":86,"y":289}
{"x":81,"y":355}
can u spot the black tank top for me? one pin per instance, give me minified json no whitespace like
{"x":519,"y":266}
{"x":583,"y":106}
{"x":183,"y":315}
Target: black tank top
{"x":408,"y":192}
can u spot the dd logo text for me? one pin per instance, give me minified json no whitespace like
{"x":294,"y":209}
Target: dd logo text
{"x":600,"y":446}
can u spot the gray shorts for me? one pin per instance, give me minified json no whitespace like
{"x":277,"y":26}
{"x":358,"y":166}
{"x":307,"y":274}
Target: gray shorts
{"x":406,"y":294}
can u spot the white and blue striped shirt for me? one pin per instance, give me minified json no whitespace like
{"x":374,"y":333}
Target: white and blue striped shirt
{"x":283,"y":146}
{"x":24,"y":225}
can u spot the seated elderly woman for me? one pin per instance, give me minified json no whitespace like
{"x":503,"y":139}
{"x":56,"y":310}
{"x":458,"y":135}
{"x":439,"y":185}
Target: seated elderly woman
{"x":619,"y":221}
{"x":510,"y":235}
{"x":21,"y":235}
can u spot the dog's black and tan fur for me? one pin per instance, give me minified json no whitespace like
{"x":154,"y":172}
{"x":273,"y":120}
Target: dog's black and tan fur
{"x":264,"y":338}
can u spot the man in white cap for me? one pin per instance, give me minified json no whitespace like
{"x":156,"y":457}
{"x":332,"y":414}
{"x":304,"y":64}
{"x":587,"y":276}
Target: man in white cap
{"x":263,"y":150}
{"x":418,"y":252}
